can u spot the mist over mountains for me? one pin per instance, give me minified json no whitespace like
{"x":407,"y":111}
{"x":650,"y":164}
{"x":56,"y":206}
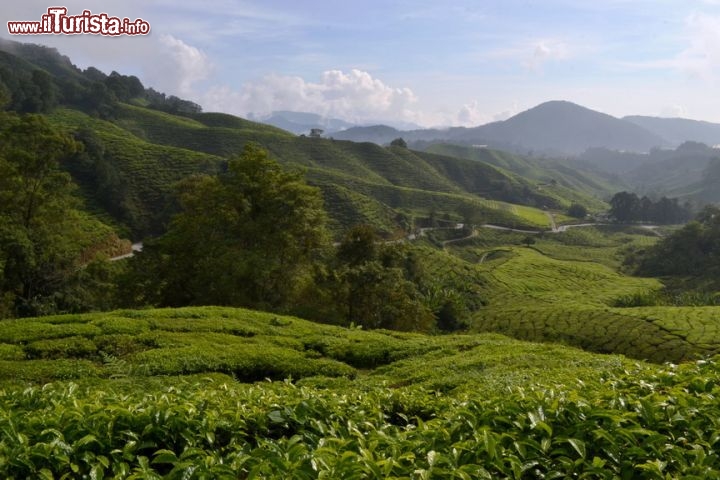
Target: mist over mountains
{"x":557,"y":128}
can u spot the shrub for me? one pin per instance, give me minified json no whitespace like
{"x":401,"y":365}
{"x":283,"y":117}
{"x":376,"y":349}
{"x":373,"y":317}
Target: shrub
{"x":68,"y":347}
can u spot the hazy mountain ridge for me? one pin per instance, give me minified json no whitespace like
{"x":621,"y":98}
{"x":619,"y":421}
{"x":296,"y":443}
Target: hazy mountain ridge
{"x":679,"y":130}
{"x":555,"y":127}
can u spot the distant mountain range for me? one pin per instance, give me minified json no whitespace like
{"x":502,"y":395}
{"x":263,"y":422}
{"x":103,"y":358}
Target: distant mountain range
{"x":300,"y":123}
{"x":555,"y":128}
{"x":551,"y":128}
{"x":138,"y":143}
{"x":679,"y":130}
{"x":671,"y":156}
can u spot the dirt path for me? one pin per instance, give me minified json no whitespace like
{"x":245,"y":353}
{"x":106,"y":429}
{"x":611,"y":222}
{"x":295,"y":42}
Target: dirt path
{"x":474,"y":233}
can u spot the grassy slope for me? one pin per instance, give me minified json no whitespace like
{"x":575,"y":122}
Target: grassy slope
{"x":394,"y":179}
{"x":145,"y":171}
{"x":150,"y":150}
{"x":572,"y":185}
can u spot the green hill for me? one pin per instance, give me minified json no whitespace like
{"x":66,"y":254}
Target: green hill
{"x":139,"y":142}
{"x":128,"y":177}
{"x":554,"y":177}
{"x":212,"y":392}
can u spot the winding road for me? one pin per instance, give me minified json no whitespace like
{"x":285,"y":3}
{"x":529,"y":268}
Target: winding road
{"x":137,"y":247}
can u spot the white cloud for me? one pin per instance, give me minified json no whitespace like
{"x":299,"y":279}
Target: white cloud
{"x":673,"y":111}
{"x":471,"y":114}
{"x":702,"y":57}
{"x":355,"y":96}
{"x":533,"y":54}
{"x":177,"y":67}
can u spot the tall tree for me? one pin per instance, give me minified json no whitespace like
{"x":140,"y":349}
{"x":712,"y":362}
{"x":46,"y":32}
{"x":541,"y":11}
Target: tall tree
{"x":379,"y":286}
{"x":247,"y":237}
{"x":625,"y":207}
{"x":42,"y":234}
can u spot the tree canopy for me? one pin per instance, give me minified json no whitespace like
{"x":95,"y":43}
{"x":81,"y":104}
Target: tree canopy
{"x":693,"y":250}
{"x":628,"y":207}
{"x":247,"y":237}
{"x":43,"y":235}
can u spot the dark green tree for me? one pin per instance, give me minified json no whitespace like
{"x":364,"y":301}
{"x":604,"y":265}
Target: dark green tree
{"x":528,"y":240}
{"x":578,"y":211}
{"x":248,"y":237}
{"x":399,"y":142}
{"x":625,"y":207}
{"x":43,"y":236}
{"x":379,"y":286}
{"x":359,"y":245}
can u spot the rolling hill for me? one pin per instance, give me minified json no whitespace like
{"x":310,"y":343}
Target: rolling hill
{"x":572,"y":178}
{"x":214,"y":392}
{"x":140,"y":142}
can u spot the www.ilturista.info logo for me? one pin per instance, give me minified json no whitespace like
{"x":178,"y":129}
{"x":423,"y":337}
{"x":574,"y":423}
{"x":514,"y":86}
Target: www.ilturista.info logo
{"x":57,"y":21}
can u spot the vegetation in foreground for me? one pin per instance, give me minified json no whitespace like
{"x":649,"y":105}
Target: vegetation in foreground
{"x":401,"y":405}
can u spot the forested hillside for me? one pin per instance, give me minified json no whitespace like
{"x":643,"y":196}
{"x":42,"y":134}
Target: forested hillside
{"x":138,"y":142}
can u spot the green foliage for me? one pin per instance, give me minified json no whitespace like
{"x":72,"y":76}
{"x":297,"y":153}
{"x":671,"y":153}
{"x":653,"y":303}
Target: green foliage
{"x":247,"y":237}
{"x":44,"y":237}
{"x":627,"y":207}
{"x":11,"y":352}
{"x":399,"y":142}
{"x":667,"y":298}
{"x":46,"y":370}
{"x":530,"y":296}
{"x":126,"y":176}
{"x":387,"y":285}
{"x":576,"y":210}
{"x":360,"y":245}
{"x":27,"y":91}
{"x":67,"y":347}
{"x":690,"y":251}
{"x":565,"y":181}
{"x":522,"y":411}
{"x":607,"y":245}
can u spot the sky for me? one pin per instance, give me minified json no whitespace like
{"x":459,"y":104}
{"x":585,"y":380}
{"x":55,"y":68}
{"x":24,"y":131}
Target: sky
{"x":404,"y":62}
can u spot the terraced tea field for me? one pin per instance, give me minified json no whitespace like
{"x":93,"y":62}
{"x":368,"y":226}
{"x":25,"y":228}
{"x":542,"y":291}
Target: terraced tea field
{"x":530,"y":278}
{"x":269,"y":396}
{"x":534,"y":297}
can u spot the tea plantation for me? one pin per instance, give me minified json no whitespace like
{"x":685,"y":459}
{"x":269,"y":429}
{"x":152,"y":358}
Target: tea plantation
{"x":229,"y":393}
